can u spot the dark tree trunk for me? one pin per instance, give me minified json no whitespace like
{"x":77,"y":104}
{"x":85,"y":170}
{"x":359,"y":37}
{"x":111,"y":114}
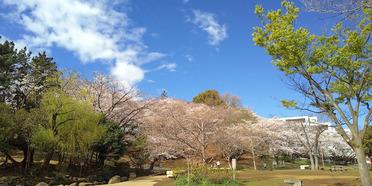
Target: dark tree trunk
{"x":61,"y":158}
{"x":28,"y":159}
{"x":48,"y":157}
{"x":152,"y":164}
{"x":101,"y":160}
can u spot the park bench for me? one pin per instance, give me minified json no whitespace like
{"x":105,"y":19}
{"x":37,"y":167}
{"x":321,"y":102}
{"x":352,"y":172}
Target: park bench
{"x":303,"y":167}
{"x":337,"y":168}
{"x":293,"y":182}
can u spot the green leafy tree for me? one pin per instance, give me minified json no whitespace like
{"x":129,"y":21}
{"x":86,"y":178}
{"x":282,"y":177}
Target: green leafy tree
{"x":14,"y":65}
{"x":44,"y":139}
{"x":16,"y":130}
{"x":59,"y":109}
{"x":78,"y":136}
{"x":332,"y":71}
{"x":23,"y":80}
{"x":71,"y":127}
{"x":112,"y":142}
{"x":209,"y":97}
{"x":6,"y":124}
{"x":139,"y":154}
{"x":42,"y":76}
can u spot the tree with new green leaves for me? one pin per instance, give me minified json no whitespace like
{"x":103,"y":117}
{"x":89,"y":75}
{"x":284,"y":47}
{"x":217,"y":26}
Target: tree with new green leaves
{"x":79,"y":135}
{"x":59,"y":108}
{"x":332,"y":71}
{"x":72,"y":126}
{"x":16,"y":131}
{"x":6,"y":124}
{"x":23,"y":80}
{"x":209,"y":97}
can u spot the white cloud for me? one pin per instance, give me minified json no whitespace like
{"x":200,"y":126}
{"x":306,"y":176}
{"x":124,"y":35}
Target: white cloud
{"x":185,"y":1}
{"x":208,"y":23}
{"x":152,"y":56}
{"x":127,"y":73}
{"x":93,"y":30}
{"x":168,"y":66}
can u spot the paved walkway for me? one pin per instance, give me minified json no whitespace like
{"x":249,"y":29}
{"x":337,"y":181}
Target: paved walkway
{"x":142,"y":181}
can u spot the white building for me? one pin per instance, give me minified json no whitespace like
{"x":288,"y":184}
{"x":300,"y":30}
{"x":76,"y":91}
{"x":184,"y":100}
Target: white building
{"x":309,"y":120}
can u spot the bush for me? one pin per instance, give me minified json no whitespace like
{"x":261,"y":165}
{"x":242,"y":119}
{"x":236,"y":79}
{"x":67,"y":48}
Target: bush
{"x":302,"y":161}
{"x":205,"y":176}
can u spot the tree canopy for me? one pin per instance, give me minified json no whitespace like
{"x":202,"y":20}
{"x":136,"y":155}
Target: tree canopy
{"x":209,"y":97}
{"x":333,"y":71}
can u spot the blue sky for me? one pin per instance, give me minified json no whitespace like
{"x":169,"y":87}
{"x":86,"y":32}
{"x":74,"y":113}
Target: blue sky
{"x":183,"y":47}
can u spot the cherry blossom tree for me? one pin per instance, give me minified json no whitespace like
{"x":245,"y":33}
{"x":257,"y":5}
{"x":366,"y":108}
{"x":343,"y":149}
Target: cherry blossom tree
{"x":121,"y":110}
{"x":230,"y":140}
{"x":333,"y":147}
{"x":308,"y":135}
{"x":185,"y":128}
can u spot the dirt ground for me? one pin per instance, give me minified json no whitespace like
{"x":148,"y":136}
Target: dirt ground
{"x":309,"y":178}
{"x":142,"y":181}
{"x":276,"y":178}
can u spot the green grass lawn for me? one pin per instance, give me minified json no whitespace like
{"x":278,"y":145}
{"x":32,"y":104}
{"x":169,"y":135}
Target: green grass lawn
{"x":276,"y":178}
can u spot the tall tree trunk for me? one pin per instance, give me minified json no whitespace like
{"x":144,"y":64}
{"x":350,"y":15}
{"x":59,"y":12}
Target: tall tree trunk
{"x":229,"y":161}
{"x":91,"y":159}
{"x":152,"y":164}
{"x":101,"y":159}
{"x":28,"y":158}
{"x":323,"y":160}
{"x":70,"y":162}
{"x":316,"y":161}
{"x":362,"y":165}
{"x":48,"y":157}
{"x":32,"y":152}
{"x":275,"y":162}
{"x":311,"y":161}
{"x":203,"y":156}
{"x":61,"y":159}
{"x":254,"y":159}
